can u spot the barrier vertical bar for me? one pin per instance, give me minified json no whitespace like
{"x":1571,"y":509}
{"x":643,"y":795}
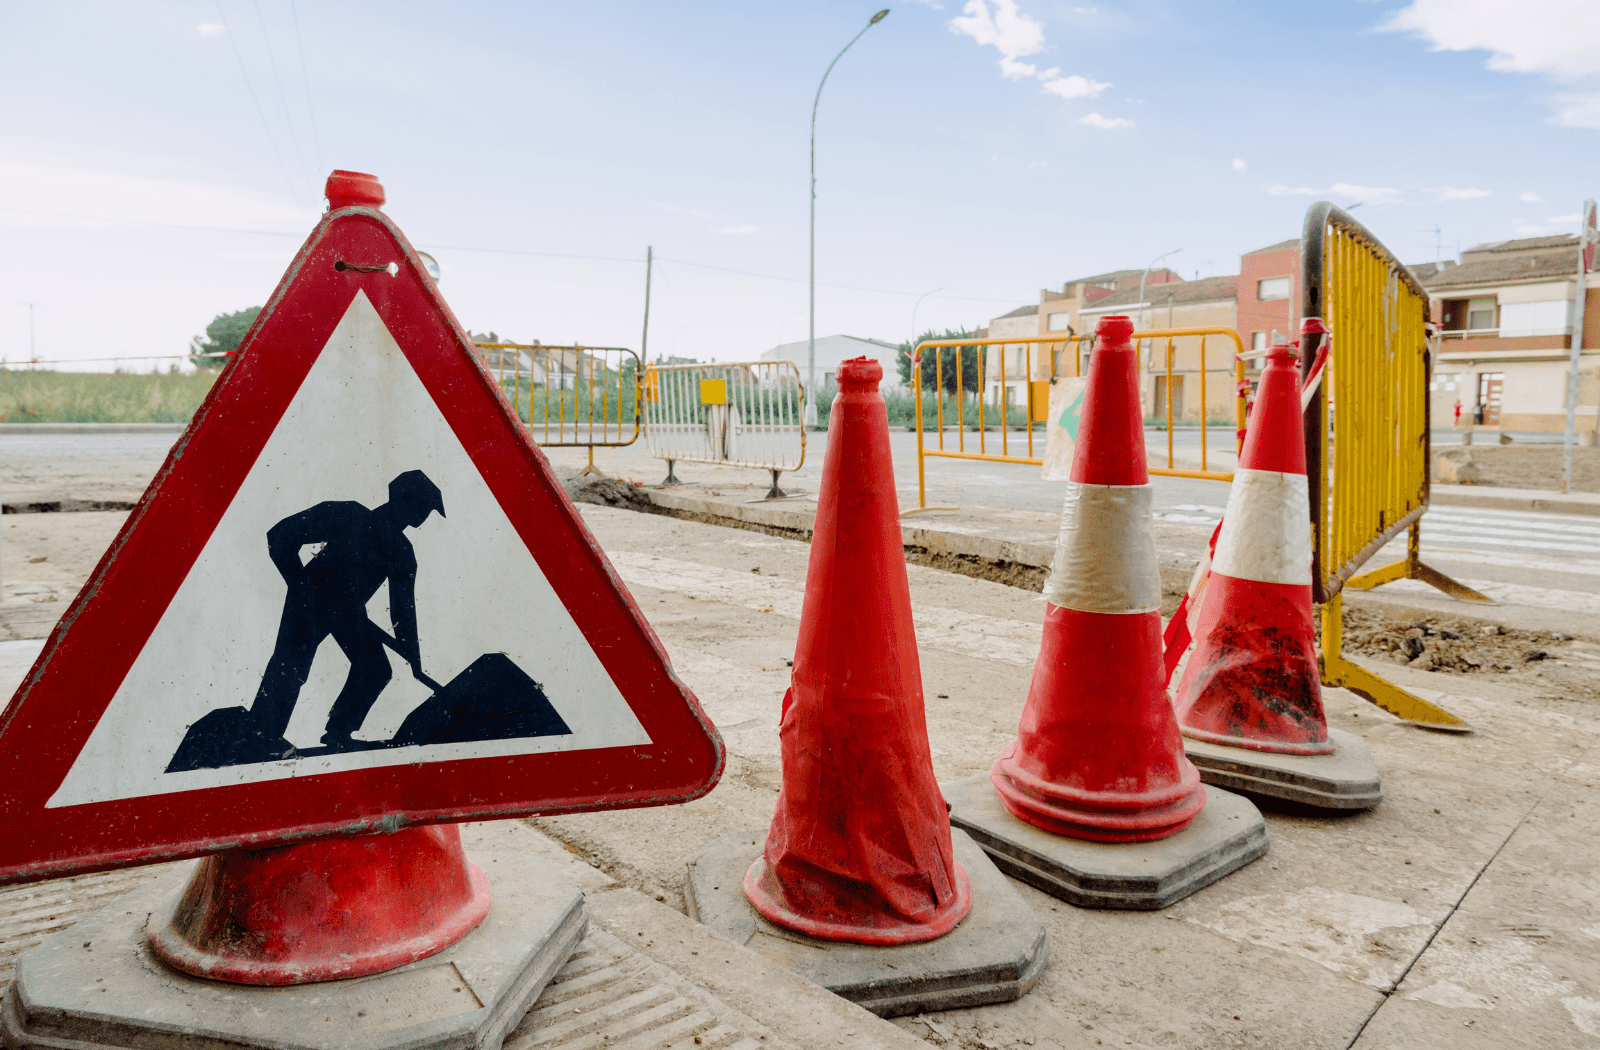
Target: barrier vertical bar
{"x":1205,"y":407}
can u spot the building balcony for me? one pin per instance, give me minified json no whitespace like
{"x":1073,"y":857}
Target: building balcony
{"x":1480,"y":342}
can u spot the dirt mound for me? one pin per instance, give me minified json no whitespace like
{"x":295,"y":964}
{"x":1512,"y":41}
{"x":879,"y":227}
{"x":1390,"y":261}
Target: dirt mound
{"x":1515,"y":466}
{"x":605,"y":491}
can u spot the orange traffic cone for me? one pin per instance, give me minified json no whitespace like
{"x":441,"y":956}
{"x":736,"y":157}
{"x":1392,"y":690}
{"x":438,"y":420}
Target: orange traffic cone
{"x":1097,"y":754}
{"x":1252,"y":680}
{"x":859,"y":848}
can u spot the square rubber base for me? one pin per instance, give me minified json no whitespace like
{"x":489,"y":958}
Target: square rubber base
{"x":1346,"y":779}
{"x":98,"y":985}
{"x":1228,"y":834}
{"x":994,"y":955}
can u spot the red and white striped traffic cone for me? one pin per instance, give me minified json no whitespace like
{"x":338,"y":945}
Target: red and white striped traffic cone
{"x":1252,"y":680}
{"x":1098,"y":754}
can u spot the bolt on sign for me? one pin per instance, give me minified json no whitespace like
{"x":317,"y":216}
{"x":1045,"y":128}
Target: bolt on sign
{"x":354,"y":598}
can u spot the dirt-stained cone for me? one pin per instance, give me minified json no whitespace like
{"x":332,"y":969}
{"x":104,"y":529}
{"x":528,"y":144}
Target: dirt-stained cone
{"x":859,"y":848}
{"x":1252,"y":680}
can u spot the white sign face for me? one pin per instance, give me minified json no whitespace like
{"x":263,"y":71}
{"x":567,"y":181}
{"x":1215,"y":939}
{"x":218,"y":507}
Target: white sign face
{"x":1061,"y":430}
{"x":335,"y":620}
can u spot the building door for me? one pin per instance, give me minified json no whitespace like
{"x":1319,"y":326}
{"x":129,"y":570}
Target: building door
{"x":1162,"y":388}
{"x":1490,"y":385}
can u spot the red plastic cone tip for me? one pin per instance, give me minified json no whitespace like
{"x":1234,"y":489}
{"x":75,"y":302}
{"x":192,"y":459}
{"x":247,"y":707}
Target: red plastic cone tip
{"x":353,"y":189}
{"x":859,"y":849}
{"x":1097,"y":754}
{"x":325,"y":910}
{"x":1252,"y":680}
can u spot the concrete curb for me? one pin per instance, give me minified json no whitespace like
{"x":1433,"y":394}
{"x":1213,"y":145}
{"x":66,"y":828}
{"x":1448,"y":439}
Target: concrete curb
{"x":1544,"y":501}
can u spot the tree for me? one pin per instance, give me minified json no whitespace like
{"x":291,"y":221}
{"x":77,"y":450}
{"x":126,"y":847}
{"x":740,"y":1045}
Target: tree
{"x":223,"y":336}
{"x":953,"y":365}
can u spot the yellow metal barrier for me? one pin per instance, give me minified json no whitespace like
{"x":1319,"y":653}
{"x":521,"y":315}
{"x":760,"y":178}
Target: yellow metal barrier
{"x":742,"y":414}
{"x":582,"y":396}
{"x":1039,"y":369}
{"x":1367,"y":437}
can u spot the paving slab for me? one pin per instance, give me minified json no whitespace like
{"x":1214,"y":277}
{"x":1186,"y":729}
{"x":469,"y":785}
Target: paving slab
{"x":994,"y":955}
{"x":1228,"y":834}
{"x":1345,"y":779}
{"x":1518,"y":962}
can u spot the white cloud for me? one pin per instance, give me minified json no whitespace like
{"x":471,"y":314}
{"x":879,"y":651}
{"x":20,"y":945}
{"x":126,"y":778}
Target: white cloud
{"x":63,"y":190}
{"x":998,"y":24}
{"x":210,"y":29}
{"x":1577,"y":111}
{"x":1453,"y":193}
{"x":1008,"y":30}
{"x":1530,"y":197}
{"x":1346,"y":190}
{"x":1238,"y":164}
{"x":737,"y":231}
{"x":1559,"y":38}
{"x":1073,"y":86}
{"x":1095,"y":120}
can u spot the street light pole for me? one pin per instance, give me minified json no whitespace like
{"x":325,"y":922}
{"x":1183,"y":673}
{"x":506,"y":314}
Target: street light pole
{"x":811,"y":351}
{"x":1146,"y":273}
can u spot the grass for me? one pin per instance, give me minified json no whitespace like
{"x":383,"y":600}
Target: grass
{"x":903,"y":412}
{"x":101,"y":397}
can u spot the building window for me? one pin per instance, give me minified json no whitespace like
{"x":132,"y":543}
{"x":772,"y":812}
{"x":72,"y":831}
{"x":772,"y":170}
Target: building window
{"x":1272,"y":288}
{"x":1553,"y":317}
{"x":1258,"y":340}
{"x":1059,"y":321}
{"x":1480,"y":314}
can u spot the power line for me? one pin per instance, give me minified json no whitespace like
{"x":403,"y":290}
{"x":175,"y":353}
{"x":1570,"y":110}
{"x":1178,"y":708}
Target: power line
{"x":305,"y":78}
{"x":283,"y":100}
{"x":520,"y":251}
{"x":820,"y":284}
{"x":228,"y":32}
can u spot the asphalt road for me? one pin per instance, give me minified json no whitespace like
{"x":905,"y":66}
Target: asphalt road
{"x":1550,"y":552}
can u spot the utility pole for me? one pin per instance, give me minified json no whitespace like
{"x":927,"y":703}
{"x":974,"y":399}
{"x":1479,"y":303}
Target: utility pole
{"x":644,"y":337}
{"x":1588,"y":239}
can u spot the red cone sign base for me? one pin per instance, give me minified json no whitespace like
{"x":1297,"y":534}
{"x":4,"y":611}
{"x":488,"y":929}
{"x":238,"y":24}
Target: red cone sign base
{"x":859,"y":848}
{"x":325,"y":910}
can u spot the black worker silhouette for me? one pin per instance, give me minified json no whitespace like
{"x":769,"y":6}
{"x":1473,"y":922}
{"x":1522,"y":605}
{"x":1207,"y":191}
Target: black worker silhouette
{"x":362,"y":549}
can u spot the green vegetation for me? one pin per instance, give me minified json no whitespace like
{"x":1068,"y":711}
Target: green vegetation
{"x":223,"y":336}
{"x":902,"y":410}
{"x":99,"y":397}
{"x":940,"y":363}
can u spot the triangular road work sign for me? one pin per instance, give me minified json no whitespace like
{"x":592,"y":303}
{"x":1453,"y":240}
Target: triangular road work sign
{"x":355,"y":597}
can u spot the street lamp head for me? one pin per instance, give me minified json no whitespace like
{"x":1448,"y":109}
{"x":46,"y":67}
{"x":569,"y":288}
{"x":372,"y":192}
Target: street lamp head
{"x":879,"y":17}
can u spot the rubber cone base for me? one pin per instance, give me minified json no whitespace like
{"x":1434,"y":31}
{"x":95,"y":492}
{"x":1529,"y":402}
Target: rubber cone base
{"x":1346,"y":779}
{"x":1136,"y":875}
{"x":993,"y":955}
{"x":99,"y":985}
{"x":1083,"y":821}
{"x":768,"y":898}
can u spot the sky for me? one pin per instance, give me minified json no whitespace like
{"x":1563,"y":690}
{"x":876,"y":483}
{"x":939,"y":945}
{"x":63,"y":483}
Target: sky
{"x":161,"y":162}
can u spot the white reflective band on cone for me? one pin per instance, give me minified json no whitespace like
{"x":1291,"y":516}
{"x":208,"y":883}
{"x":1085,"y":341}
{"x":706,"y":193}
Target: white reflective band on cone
{"x":1106,"y":554}
{"x":1266,"y":530}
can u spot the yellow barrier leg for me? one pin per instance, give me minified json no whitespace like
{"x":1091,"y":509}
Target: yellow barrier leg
{"x":1338,"y":671}
{"x":1413,"y":569}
